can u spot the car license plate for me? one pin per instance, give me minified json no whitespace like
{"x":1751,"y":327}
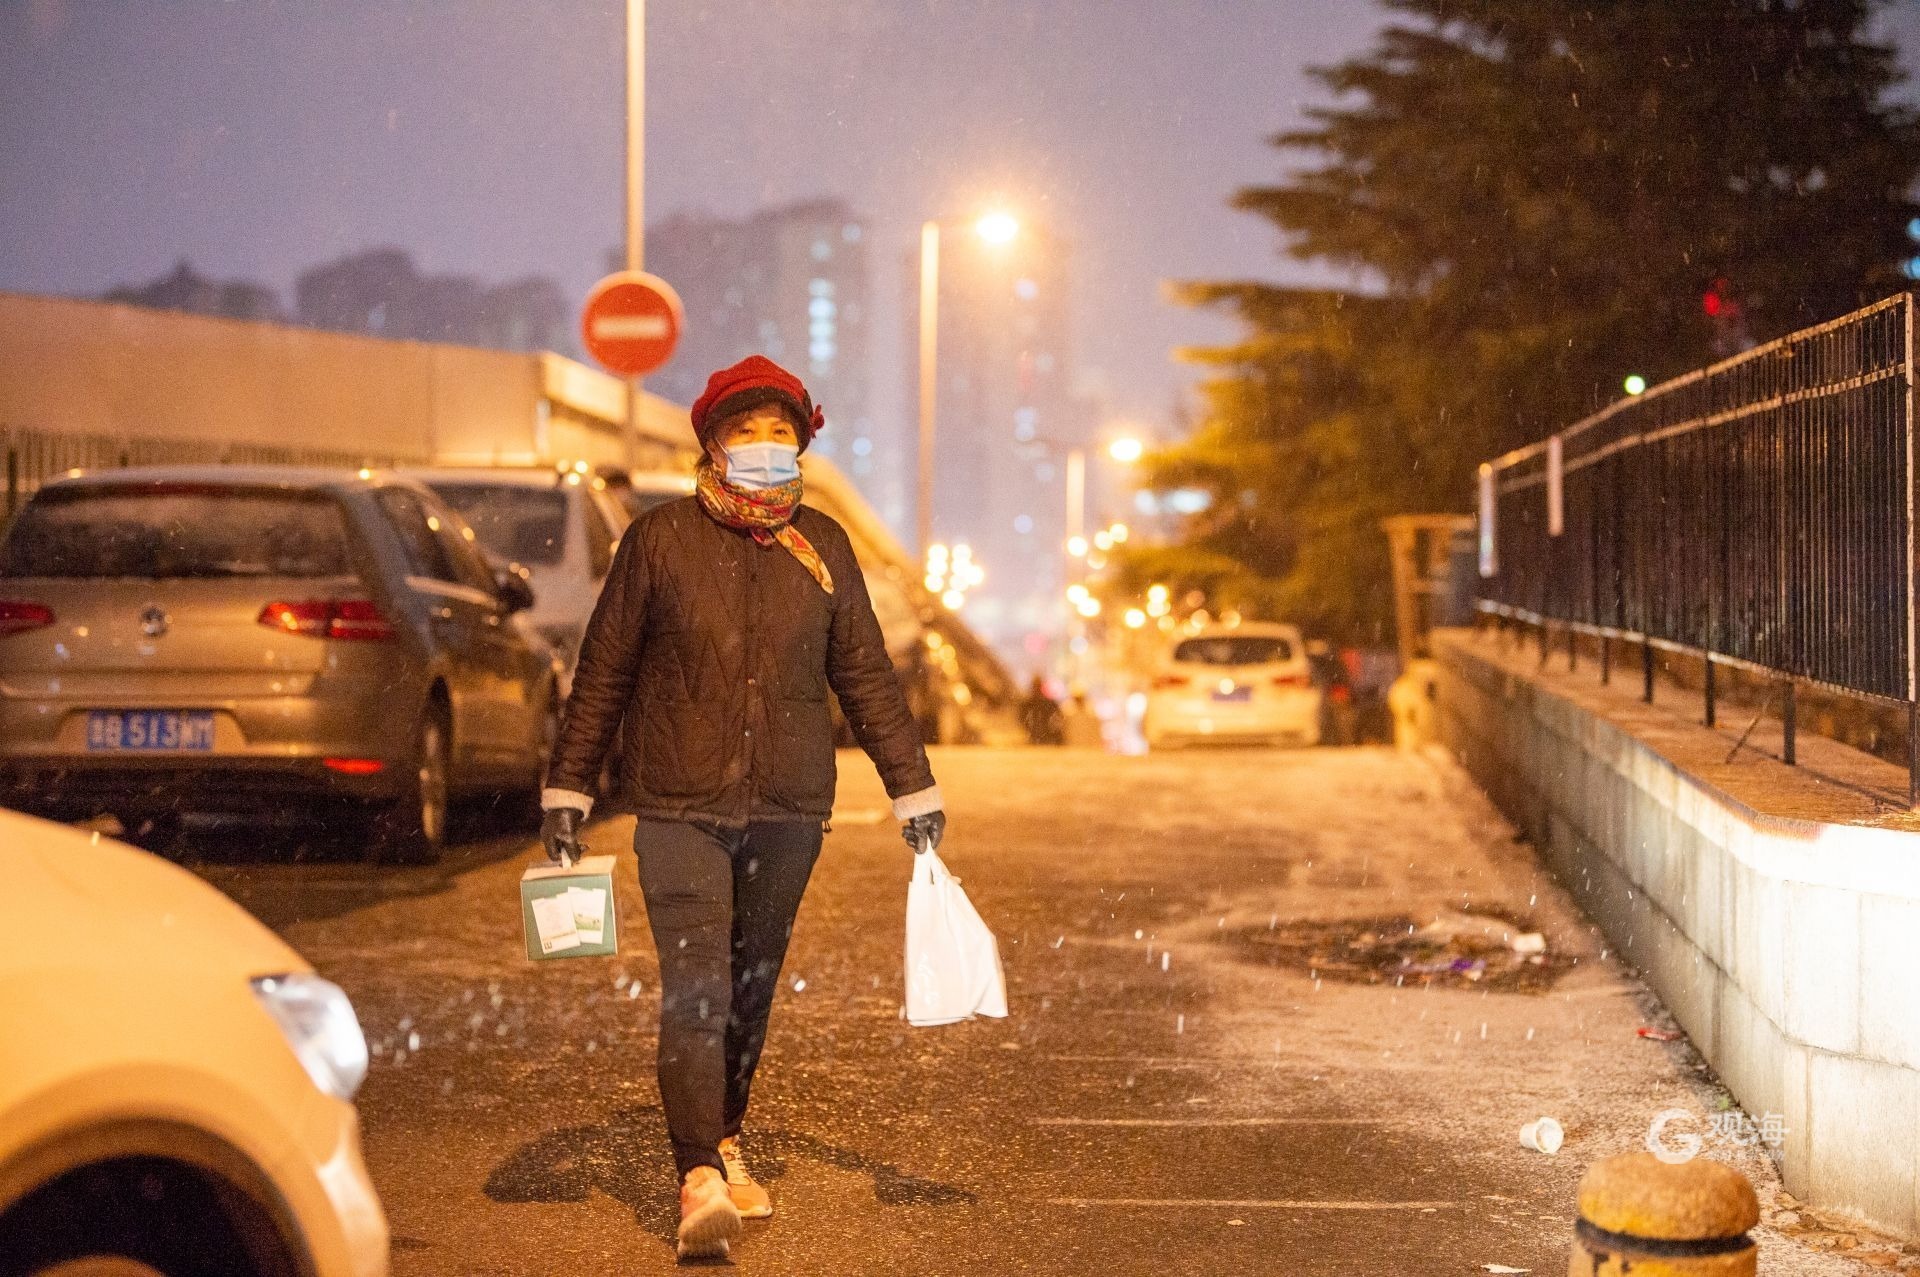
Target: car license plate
{"x":1236,"y":695}
{"x":150,"y":729}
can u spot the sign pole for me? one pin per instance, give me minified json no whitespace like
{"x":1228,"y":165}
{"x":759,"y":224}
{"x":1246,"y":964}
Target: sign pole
{"x":929,"y":376}
{"x":636,"y":186}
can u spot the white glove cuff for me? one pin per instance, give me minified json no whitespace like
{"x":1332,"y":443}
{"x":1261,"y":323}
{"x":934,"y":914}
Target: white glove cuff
{"x":552,"y":798}
{"x":924,"y":803}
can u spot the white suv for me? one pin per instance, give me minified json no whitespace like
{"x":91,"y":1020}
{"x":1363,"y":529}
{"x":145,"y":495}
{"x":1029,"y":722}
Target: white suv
{"x":1238,"y":683}
{"x":560,"y":524}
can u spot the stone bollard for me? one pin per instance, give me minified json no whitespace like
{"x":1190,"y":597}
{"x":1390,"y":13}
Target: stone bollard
{"x":1642,"y":1217}
{"x":1413,"y":701}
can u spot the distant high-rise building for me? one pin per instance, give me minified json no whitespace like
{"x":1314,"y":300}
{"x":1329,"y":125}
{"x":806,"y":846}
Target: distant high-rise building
{"x":184,"y":288}
{"x":789,"y":283}
{"x":382,"y":291}
{"x":1007,"y":419}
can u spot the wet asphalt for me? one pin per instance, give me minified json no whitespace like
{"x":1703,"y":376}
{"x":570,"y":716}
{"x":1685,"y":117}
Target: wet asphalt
{"x":1167,"y":1096}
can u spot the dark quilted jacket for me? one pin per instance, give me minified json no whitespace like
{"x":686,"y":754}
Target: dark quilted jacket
{"x":711,"y":655}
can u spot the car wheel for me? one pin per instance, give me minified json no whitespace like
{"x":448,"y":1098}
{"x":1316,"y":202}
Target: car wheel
{"x":100,"y":1266}
{"x":412,"y":830}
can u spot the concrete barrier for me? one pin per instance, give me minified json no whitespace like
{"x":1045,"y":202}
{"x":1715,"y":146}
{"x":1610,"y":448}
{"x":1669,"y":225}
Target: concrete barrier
{"x":1776,"y":913}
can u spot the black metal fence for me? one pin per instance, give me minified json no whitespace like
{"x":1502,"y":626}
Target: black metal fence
{"x":1758,"y":513}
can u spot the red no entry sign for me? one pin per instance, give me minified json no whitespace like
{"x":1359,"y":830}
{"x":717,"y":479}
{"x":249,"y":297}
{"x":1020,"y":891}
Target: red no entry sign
{"x":631,"y":323}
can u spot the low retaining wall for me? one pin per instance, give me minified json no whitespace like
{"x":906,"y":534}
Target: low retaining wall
{"x":1788,"y":947}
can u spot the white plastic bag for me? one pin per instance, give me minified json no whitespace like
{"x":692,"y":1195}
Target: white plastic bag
{"x":953,"y":962}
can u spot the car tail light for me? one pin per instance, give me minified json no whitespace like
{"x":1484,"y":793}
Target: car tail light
{"x":1164,"y":682}
{"x":1291,"y":680}
{"x":358,"y":619}
{"x":354,"y":766}
{"x":328,"y":618}
{"x":17,"y":616}
{"x":1340,"y":694}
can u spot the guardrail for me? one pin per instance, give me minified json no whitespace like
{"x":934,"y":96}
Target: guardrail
{"x":1757,"y":514}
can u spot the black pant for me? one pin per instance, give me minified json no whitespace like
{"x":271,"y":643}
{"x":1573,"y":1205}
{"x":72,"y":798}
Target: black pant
{"x":721,"y":903}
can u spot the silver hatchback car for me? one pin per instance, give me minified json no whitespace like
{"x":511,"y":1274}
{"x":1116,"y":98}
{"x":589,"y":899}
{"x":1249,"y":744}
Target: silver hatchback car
{"x":227,"y":638}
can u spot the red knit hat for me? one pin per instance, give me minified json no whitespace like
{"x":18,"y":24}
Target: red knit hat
{"x":753,"y":382}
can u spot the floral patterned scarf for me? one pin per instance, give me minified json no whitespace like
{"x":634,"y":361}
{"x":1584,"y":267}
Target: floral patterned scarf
{"x":765,"y":514}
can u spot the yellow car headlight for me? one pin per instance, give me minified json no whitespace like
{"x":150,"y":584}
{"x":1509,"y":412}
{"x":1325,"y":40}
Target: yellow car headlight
{"x":320,"y":1026}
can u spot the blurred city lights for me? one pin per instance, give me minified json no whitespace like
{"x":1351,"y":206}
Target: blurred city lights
{"x":1077,"y":547}
{"x":1635,"y":384}
{"x":1126,"y":451}
{"x":951,"y":573}
{"x":1117,"y":533}
{"x":1135,"y":618}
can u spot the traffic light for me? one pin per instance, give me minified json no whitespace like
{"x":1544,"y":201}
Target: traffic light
{"x":1718,"y":301}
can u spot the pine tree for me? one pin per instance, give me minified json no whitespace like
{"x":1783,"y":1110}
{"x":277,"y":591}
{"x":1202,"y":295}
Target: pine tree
{"x":1536,"y":198}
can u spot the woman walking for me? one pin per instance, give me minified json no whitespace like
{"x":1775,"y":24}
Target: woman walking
{"x":724,"y":621}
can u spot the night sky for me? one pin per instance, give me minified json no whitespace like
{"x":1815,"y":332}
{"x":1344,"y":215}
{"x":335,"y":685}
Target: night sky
{"x":258,"y":138}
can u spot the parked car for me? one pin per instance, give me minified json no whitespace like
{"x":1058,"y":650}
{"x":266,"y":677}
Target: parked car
{"x":229,"y":638}
{"x":638,"y":491}
{"x":176,"y":1084}
{"x":1242,"y":683}
{"x":560,"y":524}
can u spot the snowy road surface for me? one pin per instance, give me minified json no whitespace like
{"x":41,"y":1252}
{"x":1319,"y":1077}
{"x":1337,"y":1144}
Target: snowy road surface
{"x":1225,"y":1053}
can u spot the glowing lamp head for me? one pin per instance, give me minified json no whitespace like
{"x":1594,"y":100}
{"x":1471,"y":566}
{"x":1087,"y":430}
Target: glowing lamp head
{"x":1635,"y":384}
{"x":997,"y":228}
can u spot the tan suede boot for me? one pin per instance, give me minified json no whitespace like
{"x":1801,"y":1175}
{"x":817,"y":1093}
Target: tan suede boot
{"x":749,"y":1198}
{"x":708,"y":1220}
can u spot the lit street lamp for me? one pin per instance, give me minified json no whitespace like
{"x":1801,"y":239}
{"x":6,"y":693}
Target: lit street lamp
{"x":1125,"y":450}
{"x":1081,"y":549}
{"x":995,"y":228}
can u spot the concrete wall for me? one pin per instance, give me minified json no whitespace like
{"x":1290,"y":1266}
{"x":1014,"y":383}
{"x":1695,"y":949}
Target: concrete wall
{"x":1788,"y":948}
{"x":136,"y":382}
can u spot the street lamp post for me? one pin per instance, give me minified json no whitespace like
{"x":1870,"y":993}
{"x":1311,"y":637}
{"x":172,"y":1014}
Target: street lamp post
{"x":1076,"y":495}
{"x":1125,"y":450}
{"x":994,"y":228}
{"x":636,"y":186}
{"x":929,"y":375}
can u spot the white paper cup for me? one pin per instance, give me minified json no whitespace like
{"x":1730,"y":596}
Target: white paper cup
{"x":1542,"y":1135}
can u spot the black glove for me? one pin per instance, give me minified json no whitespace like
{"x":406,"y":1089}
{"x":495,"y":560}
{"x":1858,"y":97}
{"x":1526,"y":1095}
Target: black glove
{"x":560,"y":835}
{"x":925,"y":831}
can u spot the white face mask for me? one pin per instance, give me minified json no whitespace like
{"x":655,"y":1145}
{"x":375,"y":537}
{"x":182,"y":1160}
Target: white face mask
{"x":761,"y":465}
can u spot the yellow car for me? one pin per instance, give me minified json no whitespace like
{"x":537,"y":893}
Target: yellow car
{"x":176,"y":1084}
